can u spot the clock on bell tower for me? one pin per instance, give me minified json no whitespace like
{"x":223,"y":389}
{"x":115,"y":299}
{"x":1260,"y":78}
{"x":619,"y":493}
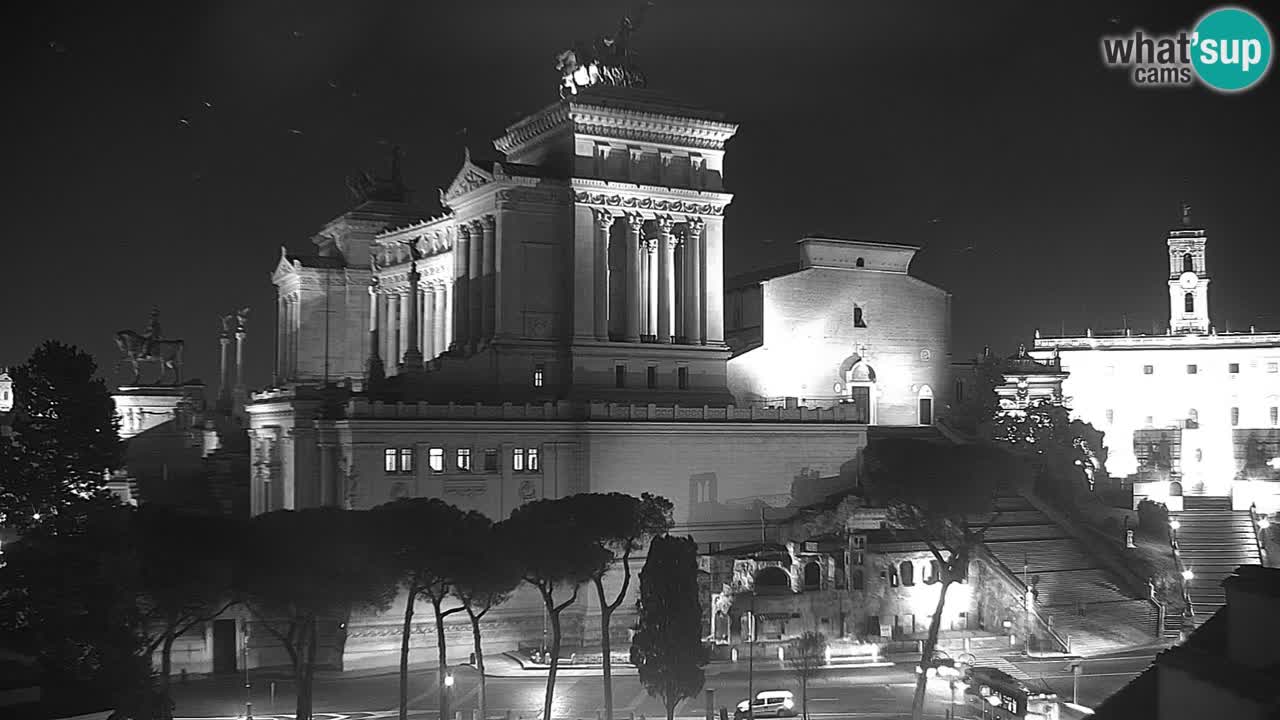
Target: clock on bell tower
{"x":1188,"y":278}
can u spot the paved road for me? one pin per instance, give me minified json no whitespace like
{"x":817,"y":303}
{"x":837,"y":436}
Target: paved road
{"x":862,"y":692}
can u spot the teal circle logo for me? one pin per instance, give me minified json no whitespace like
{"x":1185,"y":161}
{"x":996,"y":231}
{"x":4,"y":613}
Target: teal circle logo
{"x":1231,"y":49}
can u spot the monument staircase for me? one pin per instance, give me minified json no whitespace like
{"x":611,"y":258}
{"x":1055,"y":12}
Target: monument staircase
{"x":1212,"y":542}
{"x":1075,"y":592}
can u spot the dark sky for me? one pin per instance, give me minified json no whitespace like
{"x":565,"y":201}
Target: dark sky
{"x":1039,"y":183}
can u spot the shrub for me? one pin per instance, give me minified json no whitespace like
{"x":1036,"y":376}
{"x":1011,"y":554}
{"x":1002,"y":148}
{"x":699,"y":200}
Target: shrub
{"x":1153,"y":517}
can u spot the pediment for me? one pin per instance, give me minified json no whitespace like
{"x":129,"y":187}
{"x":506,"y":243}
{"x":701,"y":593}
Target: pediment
{"x":284,"y":267}
{"x":469,"y":177}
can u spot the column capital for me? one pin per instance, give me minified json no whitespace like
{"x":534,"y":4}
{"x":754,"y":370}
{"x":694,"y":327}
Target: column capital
{"x":604,"y":218}
{"x":695,"y":224}
{"x":463,"y":231}
{"x":665,"y":223}
{"x":635,"y":221}
{"x":649,"y":245}
{"x":487,"y":222}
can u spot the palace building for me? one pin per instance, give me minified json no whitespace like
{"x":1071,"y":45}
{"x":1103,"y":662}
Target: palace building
{"x":559,"y":326}
{"x":1190,"y":411}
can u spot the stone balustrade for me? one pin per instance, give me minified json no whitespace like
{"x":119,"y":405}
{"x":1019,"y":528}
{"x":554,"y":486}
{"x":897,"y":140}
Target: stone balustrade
{"x":360,"y":408}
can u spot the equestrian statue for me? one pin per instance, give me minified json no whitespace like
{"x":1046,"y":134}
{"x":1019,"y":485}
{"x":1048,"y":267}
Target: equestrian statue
{"x":151,"y":346}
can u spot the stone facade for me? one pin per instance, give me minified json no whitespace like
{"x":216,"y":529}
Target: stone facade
{"x":1190,"y":406}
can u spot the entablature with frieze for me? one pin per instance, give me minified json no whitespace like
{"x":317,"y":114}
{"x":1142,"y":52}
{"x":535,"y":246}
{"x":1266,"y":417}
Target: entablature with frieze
{"x":648,"y":198}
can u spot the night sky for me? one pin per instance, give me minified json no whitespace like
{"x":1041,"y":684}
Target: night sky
{"x":161,"y":153}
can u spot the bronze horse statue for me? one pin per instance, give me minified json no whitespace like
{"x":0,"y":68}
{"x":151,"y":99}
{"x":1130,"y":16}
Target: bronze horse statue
{"x":138,"y":349}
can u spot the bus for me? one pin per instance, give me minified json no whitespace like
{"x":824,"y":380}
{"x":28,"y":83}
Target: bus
{"x":1003,"y":697}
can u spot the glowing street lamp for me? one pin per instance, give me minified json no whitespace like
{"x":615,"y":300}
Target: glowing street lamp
{"x":1264,"y":523}
{"x":1188,"y":575}
{"x":1174,"y":525}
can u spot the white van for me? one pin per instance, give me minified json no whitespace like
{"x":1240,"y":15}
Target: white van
{"x":768,"y":703}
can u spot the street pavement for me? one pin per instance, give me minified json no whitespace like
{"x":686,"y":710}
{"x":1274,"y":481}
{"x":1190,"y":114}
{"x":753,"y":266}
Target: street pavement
{"x":877,"y":692}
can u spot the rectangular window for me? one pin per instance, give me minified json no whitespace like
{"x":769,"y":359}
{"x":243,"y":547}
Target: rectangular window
{"x":464,"y":459}
{"x":537,"y":375}
{"x":435,"y":458}
{"x":1275,"y":416}
{"x":1191,"y":369}
{"x":532,"y":456}
{"x":682,"y":378}
{"x":389,"y":460}
{"x":517,"y":460}
{"x":1235,"y":416}
{"x":406,"y":460}
{"x":620,"y":376}
{"x":1111,"y":416}
{"x":1233,"y":368}
{"x":490,"y":460}
{"x":1273,"y":367}
{"x":1148,"y":369}
{"x":651,"y":377}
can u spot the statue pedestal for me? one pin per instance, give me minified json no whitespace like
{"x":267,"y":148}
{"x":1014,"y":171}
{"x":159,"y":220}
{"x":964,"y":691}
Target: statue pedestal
{"x":145,"y":407}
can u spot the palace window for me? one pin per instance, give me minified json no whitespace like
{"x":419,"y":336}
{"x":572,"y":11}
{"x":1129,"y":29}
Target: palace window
{"x":651,"y":377}
{"x":1148,"y":369}
{"x":1189,"y":303}
{"x":1273,"y":367}
{"x":1275,"y":416}
{"x":1235,"y":416}
{"x":893,"y":578}
{"x":1188,"y":265}
{"x":531,"y":457}
{"x":856,"y":580}
{"x":463,"y":459}
{"x":389,"y":460}
{"x":1111,"y":416}
{"x":860,"y":542}
{"x":537,"y":375}
{"x":1233,"y":368}
{"x":517,"y":460}
{"x":620,"y":376}
{"x":682,"y":378}
{"x":908,"y":573}
{"x":860,"y":262}
{"x":490,"y":460}
{"x":858,"y":320}
{"x":932,"y":575}
{"x":1191,"y":369}
{"x":435,"y":459}
{"x":397,"y":460}
{"x":406,"y":460}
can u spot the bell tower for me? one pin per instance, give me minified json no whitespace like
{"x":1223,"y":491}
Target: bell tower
{"x":1188,"y":279}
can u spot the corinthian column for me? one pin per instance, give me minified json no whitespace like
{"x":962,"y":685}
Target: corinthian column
{"x":604,"y":221}
{"x":393,"y":325}
{"x":440,"y":313}
{"x":693,"y":281}
{"x":635,"y":224}
{"x":412,"y":353}
{"x":666,"y":279}
{"x":461,"y":288}
{"x":475,"y":298}
{"x":651,"y":287}
{"x":428,"y":322}
{"x":488,"y":303}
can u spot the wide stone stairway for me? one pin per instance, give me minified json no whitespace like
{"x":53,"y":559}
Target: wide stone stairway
{"x":1213,"y":541}
{"x":1072,"y":588}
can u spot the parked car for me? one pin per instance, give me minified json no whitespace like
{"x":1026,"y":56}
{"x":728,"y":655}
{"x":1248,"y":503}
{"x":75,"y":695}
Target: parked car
{"x":768,"y":703}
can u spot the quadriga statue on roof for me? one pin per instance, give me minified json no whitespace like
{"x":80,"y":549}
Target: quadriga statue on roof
{"x":606,"y":62}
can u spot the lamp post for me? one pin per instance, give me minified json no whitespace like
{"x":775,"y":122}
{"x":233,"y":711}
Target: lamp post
{"x":448,"y":696}
{"x":751,"y":660}
{"x":248,"y":703}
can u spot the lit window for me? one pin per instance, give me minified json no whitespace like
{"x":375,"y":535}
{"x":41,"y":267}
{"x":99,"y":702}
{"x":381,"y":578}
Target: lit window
{"x":1235,"y":416}
{"x":537,"y":375}
{"x":1273,"y":367}
{"x":1148,"y":369}
{"x":464,"y":459}
{"x":620,"y":376}
{"x":1233,"y":368}
{"x":893,"y":578}
{"x":1111,"y":416}
{"x":1275,"y":416}
{"x":435,"y":458}
{"x":1191,"y":369}
{"x":682,"y":378}
{"x":532,"y":456}
{"x":389,"y":460}
{"x":406,"y":460}
{"x":651,"y":377}
{"x":517,"y":460}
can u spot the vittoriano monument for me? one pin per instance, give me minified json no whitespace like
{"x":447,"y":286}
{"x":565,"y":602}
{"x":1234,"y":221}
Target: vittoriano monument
{"x":151,"y":346}
{"x":606,"y":61}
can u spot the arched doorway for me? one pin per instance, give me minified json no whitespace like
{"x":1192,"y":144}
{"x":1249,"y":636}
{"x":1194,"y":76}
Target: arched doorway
{"x":859,"y":380}
{"x":812,"y":576}
{"x":924,"y":405}
{"x":772,"y":578}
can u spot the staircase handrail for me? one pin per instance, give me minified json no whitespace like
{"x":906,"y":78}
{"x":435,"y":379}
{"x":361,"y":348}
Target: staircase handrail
{"x":1257,"y":533}
{"x":1012,"y":578}
{"x":1177,"y":560}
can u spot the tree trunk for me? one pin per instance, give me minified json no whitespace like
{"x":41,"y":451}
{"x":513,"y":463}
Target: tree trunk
{"x":926,"y":654}
{"x":404,"y":652}
{"x":166,"y":669}
{"x":804,"y":695}
{"x":311,"y":666}
{"x":671,"y":709}
{"x":606,"y":612}
{"x":443,"y":660}
{"x":475,"y":637}
{"x":555,"y":657}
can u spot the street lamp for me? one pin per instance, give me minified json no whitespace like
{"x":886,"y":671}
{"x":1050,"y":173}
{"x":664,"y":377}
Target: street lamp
{"x":1188,"y":575}
{"x":448,"y":696}
{"x":1174,"y":525}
